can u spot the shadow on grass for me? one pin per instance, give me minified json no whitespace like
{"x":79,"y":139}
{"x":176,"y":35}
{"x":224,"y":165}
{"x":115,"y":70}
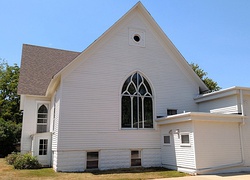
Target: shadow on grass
{"x":135,"y":170}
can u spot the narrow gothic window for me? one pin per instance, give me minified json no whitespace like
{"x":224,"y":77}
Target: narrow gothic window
{"x":136,"y":103}
{"x":42,"y":119}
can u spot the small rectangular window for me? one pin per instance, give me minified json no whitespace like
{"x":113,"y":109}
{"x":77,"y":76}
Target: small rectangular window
{"x":166,"y":140}
{"x":171,"y":112}
{"x":41,"y":128}
{"x":135,"y":158}
{"x":92,"y":160}
{"x":43,"y":145}
{"x":185,"y":139}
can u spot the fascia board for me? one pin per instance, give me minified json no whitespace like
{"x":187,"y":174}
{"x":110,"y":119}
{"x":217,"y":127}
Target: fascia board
{"x":159,"y":31}
{"x":222,"y":93}
{"x":168,"y":43}
{"x":97,"y":41}
{"x":217,"y":94}
{"x":196,"y":116}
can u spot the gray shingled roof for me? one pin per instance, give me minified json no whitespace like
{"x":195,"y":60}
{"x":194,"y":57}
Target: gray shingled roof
{"x":39,"y":65}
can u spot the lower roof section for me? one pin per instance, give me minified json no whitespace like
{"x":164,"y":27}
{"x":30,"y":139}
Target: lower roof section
{"x":200,"y":116}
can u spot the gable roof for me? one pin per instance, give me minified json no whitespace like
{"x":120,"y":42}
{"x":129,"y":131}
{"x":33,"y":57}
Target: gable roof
{"x":39,"y":65}
{"x":75,"y":58}
{"x":180,"y":60}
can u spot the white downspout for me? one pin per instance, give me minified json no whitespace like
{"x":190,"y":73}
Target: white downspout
{"x":241,"y":125}
{"x":204,"y":170}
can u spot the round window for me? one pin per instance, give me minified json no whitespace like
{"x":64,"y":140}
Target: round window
{"x":137,"y":38}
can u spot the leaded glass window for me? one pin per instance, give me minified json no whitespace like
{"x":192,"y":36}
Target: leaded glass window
{"x":137,"y":103}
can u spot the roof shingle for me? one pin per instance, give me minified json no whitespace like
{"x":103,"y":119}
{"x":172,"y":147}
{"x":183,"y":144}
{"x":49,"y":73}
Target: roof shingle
{"x":39,"y":65}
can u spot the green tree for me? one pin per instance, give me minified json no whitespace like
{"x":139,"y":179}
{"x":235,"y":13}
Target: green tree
{"x":10,"y":115}
{"x":211,"y":84}
{"x":9,"y":100}
{"x":10,"y":134}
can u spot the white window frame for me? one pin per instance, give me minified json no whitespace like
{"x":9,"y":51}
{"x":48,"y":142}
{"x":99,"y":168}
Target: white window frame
{"x":143,"y":109}
{"x":38,"y":105}
{"x":44,"y":148}
{"x":185,"y":134}
{"x":163,"y":138}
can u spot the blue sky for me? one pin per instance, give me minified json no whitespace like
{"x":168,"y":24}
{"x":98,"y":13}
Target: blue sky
{"x":212,"y":33}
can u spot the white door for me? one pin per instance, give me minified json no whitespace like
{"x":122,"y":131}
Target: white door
{"x":42,"y":151}
{"x":41,"y":148}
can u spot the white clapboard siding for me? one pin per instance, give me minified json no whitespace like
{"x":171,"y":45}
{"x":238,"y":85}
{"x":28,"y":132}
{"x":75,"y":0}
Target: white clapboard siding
{"x":70,"y":161}
{"x":112,"y":159}
{"x":225,"y":105}
{"x":55,"y":118}
{"x":90,"y":105}
{"x":175,"y":155}
{"x":90,"y":96}
{"x":217,"y":144}
{"x":29,"y":124}
{"x":151,"y":157}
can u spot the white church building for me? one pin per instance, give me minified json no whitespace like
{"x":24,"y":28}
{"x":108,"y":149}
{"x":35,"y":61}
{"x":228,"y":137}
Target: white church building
{"x":129,"y":99}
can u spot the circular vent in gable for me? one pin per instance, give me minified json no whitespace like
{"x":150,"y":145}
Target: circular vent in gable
{"x":136,"y":37}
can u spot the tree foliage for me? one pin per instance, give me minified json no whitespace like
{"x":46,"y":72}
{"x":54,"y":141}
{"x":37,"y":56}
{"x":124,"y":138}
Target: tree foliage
{"x":9,"y":100}
{"x":211,"y":84}
{"x":10,"y":115}
{"x":10,"y":134}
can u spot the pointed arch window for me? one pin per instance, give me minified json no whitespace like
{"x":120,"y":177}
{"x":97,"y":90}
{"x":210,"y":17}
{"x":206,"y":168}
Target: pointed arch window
{"x":136,"y":103}
{"x":42,"y":118}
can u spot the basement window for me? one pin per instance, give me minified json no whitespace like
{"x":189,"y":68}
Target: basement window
{"x":135,"y":158}
{"x":92,"y":160}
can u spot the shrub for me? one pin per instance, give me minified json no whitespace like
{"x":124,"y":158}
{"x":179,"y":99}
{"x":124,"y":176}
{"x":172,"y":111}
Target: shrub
{"x":23,"y":161}
{"x":11,"y":158}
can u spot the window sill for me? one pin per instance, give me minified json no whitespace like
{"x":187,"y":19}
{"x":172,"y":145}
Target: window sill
{"x":138,"y":129}
{"x":166,"y":144}
{"x":185,"y":145}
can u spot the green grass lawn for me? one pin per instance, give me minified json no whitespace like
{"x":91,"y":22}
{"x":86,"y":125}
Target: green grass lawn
{"x":7,"y":172}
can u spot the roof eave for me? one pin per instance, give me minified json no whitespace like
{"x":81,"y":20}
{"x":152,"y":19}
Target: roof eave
{"x":220,"y":94}
{"x":163,"y":36}
{"x":200,"y":116}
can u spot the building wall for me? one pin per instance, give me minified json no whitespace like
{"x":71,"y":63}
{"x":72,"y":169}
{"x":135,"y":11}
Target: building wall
{"x":245,"y":129}
{"x":29,"y":124}
{"x":69,"y":161}
{"x":176,"y":155}
{"x":108,"y":159}
{"x":217,"y":144}
{"x":225,"y":105}
{"x":55,"y":102}
{"x":90,"y":100}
